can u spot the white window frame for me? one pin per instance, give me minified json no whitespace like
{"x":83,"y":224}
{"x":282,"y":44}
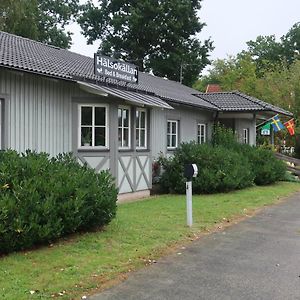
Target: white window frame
{"x":123,"y":107}
{"x":246,"y":135}
{"x":94,"y":126}
{"x":139,"y":129}
{"x":172,"y":134}
{"x":201,"y":133}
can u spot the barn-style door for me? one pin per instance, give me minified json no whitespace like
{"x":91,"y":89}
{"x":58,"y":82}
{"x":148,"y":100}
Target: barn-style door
{"x":134,"y":173}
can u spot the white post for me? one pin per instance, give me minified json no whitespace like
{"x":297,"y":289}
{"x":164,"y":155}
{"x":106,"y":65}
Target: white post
{"x":189,"y":205}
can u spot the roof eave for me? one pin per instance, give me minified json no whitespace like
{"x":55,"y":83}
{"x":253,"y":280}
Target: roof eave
{"x":178,"y":102}
{"x":37,"y":73}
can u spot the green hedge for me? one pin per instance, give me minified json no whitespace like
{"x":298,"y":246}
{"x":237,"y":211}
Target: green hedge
{"x":220,"y":169}
{"x":42,"y":199}
{"x":265,"y":167}
{"x":223,"y":165}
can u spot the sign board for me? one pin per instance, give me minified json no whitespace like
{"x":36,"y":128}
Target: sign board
{"x":265,"y":131}
{"x":117,"y":69}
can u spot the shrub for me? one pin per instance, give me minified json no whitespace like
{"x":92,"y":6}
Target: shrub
{"x":216,"y":171}
{"x":42,"y":199}
{"x":266,"y":167}
{"x":223,"y":136}
{"x":221,"y":168}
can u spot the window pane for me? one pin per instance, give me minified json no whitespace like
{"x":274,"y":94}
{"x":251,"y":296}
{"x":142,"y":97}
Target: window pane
{"x":99,"y":136}
{"x":86,"y":136}
{"x":137,"y":137}
{"x":143,"y":140}
{"x":125,"y":138}
{"x":100,"y":116}
{"x":86,"y":115}
{"x":169,"y":127}
{"x":143,"y":119}
{"x":173,"y":140}
{"x":126,"y":117}
{"x":137,"y":119}
{"x":168,"y":141}
{"x":120,"y":137}
{"x":119,"y":117}
{"x":174,"y":127}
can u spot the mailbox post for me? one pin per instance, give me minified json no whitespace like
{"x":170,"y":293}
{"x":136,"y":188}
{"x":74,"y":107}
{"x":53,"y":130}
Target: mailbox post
{"x":190,"y":171}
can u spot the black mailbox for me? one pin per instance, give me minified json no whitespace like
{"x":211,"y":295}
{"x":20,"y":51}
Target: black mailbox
{"x":190,"y":171}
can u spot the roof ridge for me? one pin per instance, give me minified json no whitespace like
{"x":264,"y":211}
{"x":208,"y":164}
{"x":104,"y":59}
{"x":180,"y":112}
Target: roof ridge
{"x":252,"y":99}
{"x":210,"y":93}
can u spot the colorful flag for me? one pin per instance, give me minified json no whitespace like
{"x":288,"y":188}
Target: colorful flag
{"x":290,"y":126}
{"x":266,"y":129}
{"x":276,"y":124}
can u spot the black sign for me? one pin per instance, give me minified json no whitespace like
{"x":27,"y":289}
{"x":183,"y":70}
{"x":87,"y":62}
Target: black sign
{"x":117,"y":69}
{"x":190,"y":170}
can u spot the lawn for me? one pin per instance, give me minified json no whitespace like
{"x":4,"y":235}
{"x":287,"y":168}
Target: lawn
{"x":141,"y":232}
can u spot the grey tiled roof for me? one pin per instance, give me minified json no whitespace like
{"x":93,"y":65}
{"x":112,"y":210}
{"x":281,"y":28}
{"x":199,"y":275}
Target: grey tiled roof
{"x":238,"y":102}
{"x":31,"y":56}
{"x":28,"y":55}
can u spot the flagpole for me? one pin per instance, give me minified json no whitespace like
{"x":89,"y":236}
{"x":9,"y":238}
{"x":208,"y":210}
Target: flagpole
{"x":266,"y":121}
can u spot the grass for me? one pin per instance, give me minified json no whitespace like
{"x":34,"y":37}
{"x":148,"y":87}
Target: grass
{"x":142,"y":230}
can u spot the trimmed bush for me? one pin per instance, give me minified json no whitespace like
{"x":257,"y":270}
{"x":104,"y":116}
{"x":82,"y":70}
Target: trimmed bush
{"x":223,"y":165}
{"x":266,"y":168}
{"x":220,"y":169}
{"x":42,"y":198}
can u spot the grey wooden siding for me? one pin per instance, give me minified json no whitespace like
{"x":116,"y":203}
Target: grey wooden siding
{"x":240,"y":121}
{"x":37,"y":112}
{"x":188,"y":119}
{"x":41,"y":114}
{"x":241,"y":124}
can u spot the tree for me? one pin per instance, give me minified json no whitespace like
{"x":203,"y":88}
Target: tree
{"x":156,"y":35}
{"x":268,"y":54}
{"x":41,"y":20}
{"x":234,"y":73}
{"x":291,"y":44}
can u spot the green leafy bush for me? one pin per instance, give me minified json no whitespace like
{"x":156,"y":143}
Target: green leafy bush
{"x":216,"y":171}
{"x":42,"y":198}
{"x":223,"y":136}
{"x":223,"y":165}
{"x":266,"y":168}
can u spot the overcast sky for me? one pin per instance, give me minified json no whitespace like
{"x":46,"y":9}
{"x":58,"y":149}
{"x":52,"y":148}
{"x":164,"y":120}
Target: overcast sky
{"x":230,"y":24}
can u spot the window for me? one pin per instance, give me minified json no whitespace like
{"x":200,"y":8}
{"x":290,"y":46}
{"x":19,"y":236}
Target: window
{"x":124,"y":127}
{"x":172,"y":134}
{"x":93,"y":126}
{"x":245,"y":136}
{"x":201,"y":133}
{"x":141,"y":128}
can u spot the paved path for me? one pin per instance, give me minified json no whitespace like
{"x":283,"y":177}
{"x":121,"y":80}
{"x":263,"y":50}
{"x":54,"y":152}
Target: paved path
{"x":257,"y":259}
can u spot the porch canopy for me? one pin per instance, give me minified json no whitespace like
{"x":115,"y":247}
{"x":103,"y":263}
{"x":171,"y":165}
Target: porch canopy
{"x":237,"y":102}
{"x":139,"y":99}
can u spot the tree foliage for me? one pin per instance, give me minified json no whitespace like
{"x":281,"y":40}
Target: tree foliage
{"x":269,"y":70}
{"x":41,"y":20}
{"x":157,"y":35}
{"x":268,"y":53}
